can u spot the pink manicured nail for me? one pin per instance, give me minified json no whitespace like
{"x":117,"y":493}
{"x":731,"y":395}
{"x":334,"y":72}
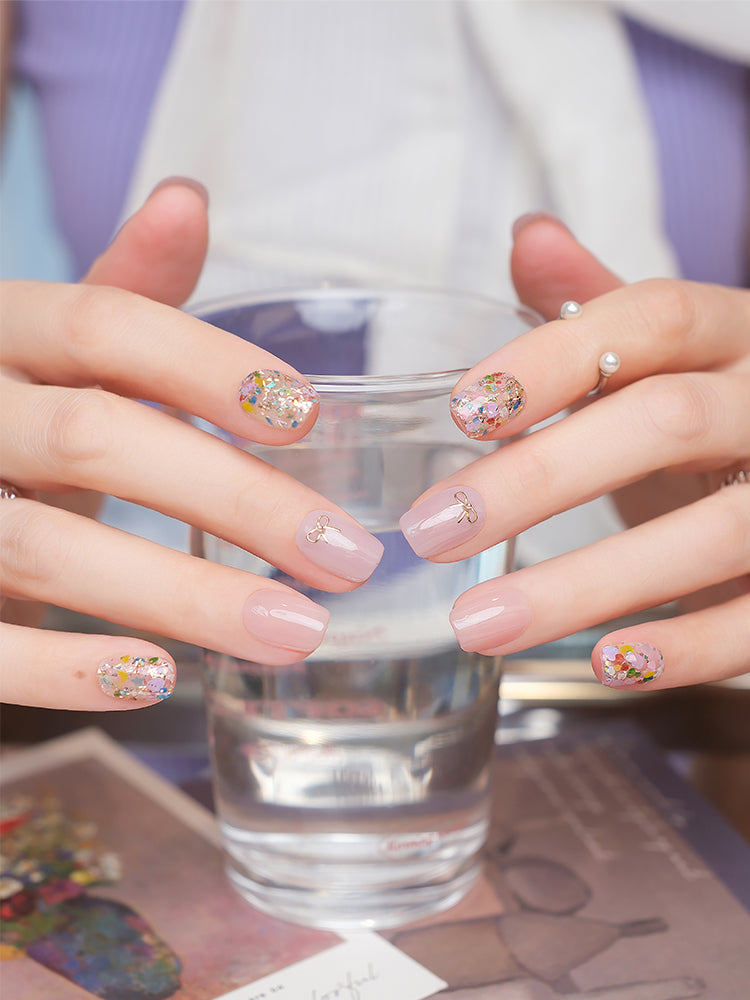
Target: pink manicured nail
{"x":488,"y":404}
{"x":490,"y":620}
{"x":137,"y":678}
{"x":285,"y":620}
{"x":630,"y":663}
{"x":443,"y":521}
{"x":339,"y":545}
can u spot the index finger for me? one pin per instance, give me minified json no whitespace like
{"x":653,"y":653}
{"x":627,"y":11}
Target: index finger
{"x":74,"y":335}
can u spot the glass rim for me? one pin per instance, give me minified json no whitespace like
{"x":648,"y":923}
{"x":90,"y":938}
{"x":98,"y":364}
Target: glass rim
{"x":422,"y":384}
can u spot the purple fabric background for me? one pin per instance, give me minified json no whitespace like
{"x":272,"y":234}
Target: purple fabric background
{"x":95,"y":67}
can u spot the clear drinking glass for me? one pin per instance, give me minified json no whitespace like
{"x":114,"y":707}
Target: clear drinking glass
{"x":352,"y":787}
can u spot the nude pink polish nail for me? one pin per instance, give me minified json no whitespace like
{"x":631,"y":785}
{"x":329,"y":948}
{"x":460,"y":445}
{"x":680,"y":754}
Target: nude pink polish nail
{"x":285,"y":620}
{"x":443,"y":521}
{"x":339,"y":545}
{"x":490,"y":620}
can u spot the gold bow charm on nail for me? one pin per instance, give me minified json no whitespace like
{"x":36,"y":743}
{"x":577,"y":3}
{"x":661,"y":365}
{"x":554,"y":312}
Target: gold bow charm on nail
{"x":468,"y":512}
{"x":318,"y":531}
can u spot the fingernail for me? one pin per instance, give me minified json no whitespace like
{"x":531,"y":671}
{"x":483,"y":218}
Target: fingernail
{"x":188,"y":182}
{"x":285,"y":620}
{"x":342,"y":547}
{"x":487,"y":404}
{"x":137,"y":678}
{"x":525,"y":220}
{"x":281,"y":400}
{"x":490,"y":620}
{"x":443,"y":521}
{"x":630,"y":663}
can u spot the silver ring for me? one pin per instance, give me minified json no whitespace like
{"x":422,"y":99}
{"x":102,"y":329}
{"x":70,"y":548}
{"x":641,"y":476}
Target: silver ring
{"x":609,"y":362}
{"x":8,"y":491}
{"x":740,"y":476}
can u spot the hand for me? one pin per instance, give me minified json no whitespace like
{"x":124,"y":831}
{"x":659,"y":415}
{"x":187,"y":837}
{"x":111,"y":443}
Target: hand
{"x":76,"y":358}
{"x":670,"y":425}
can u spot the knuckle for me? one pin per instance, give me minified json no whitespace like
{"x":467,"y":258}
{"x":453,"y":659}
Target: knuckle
{"x":80,"y":429}
{"x":31,"y":549}
{"x":534,"y":471}
{"x":667,"y":309}
{"x":93,"y":318}
{"x":679,"y":408}
{"x":734,"y":526}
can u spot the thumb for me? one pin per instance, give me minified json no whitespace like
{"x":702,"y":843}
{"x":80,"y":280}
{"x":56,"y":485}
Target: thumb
{"x":549,"y":266}
{"x":159,"y":251}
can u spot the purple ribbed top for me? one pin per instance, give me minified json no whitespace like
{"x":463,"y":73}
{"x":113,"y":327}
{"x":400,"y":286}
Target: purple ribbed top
{"x":700,"y":108}
{"x":96,"y":66}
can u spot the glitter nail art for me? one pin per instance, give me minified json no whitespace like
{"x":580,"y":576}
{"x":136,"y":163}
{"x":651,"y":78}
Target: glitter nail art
{"x":281,"y":400}
{"x":488,"y":404}
{"x":137,"y":678}
{"x":631,"y":663}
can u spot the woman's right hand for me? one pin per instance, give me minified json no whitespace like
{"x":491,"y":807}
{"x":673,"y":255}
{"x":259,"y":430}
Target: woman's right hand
{"x":76,"y":359}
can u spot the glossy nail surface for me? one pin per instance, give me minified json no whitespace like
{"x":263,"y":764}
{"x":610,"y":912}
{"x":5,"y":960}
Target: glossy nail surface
{"x":341,"y":546}
{"x":490,"y":620}
{"x":626,"y":664}
{"x":488,"y":404}
{"x":280,"y":400}
{"x":285,"y":620}
{"x":137,"y":678}
{"x":443,"y":521}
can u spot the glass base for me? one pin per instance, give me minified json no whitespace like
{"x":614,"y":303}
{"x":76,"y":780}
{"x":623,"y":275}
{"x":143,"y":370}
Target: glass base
{"x":349,"y":881}
{"x":339,"y":910}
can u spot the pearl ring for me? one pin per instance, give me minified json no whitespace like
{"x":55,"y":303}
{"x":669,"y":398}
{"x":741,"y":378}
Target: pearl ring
{"x":609,"y":362}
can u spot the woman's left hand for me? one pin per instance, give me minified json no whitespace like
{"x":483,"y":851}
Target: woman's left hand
{"x":669,"y":427}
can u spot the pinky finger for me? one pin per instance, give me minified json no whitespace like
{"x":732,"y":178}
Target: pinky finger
{"x":708,"y":645}
{"x":95,"y":673}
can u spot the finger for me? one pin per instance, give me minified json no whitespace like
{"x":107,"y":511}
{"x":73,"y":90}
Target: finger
{"x":51,"y":555}
{"x":89,"y":673}
{"x":700,"y":545}
{"x":686,"y":421}
{"x":76,"y":335}
{"x":655,"y":326}
{"x":159,"y":251}
{"x":91,"y":439}
{"x":708,"y":645}
{"x":549,"y":266}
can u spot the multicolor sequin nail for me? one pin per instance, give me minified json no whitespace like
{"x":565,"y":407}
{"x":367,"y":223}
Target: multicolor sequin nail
{"x":137,"y":678}
{"x":488,"y":404}
{"x":280,"y":399}
{"x":631,"y":663}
